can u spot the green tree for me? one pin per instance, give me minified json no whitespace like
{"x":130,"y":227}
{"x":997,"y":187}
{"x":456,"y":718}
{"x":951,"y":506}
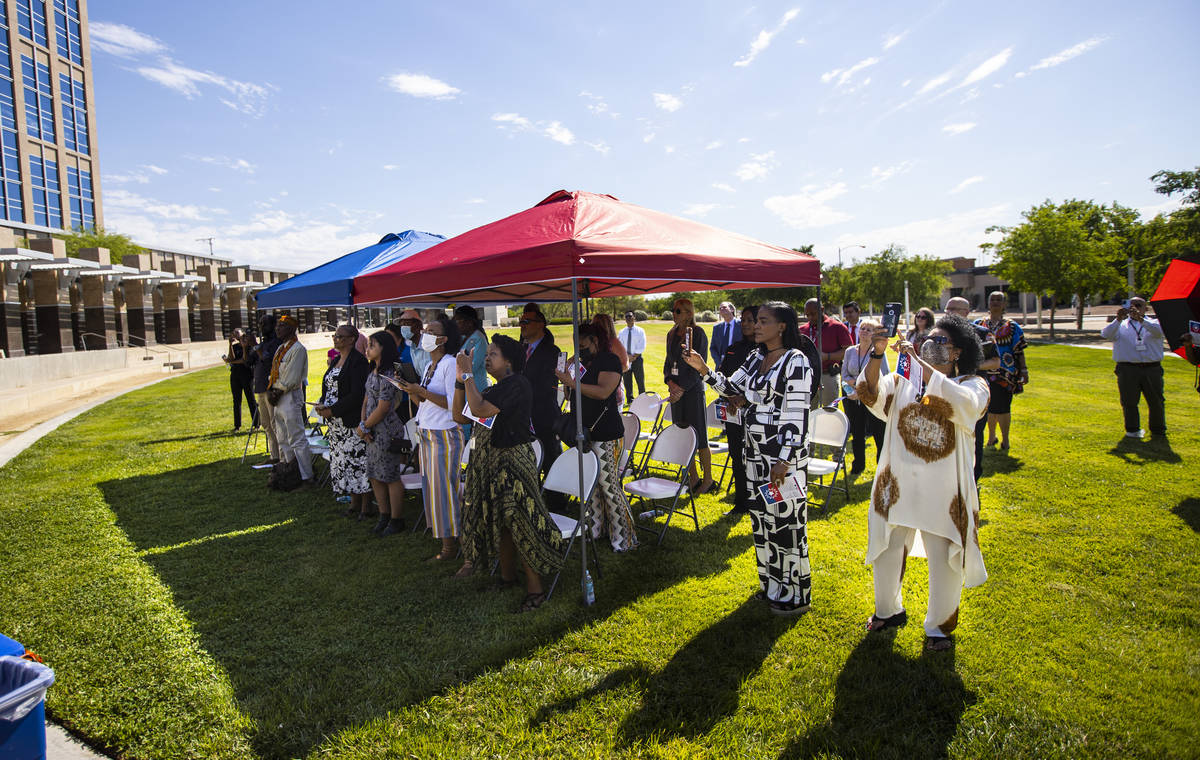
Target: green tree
{"x":1169,"y":236}
{"x":1051,"y":252}
{"x":1113,"y":229}
{"x":117,"y":245}
{"x":881,"y":278}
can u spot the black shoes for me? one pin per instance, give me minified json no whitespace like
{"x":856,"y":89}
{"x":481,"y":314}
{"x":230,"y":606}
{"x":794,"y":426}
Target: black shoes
{"x":394,"y":525}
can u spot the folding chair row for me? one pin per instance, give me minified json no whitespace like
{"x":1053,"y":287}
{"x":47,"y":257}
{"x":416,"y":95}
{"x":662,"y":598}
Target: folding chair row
{"x":828,"y":427}
{"x":664,"y":475}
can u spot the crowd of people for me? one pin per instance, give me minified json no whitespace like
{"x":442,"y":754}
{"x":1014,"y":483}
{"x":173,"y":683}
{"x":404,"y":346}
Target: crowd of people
{"x":409,"y":399}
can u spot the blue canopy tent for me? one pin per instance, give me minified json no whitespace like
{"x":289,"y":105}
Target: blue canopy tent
{"x":332,"y":283}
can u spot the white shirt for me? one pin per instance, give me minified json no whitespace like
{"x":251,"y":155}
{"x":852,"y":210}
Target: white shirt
{"x":1138,"y":342}
{"x":430,"y":416}
{"x":633,"y":339}
{"x":293,"y":368}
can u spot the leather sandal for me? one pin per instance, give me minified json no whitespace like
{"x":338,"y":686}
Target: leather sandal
{"x":876,"y":624}
{"x":532,"y":602}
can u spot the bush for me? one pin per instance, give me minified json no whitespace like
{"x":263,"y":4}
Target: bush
{"x":640,"y":316}
{"x":668,"y":315}
{"x":560,"y":321}
{"x":707,"y":316}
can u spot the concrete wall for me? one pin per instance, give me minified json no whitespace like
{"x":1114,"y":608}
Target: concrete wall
{"x":25,"y":371}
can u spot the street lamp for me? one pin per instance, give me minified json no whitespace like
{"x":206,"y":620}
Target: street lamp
{"x":843,"y":247}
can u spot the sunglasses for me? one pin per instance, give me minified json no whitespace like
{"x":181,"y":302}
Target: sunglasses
{"x":528,"y":322}
{"x":681,"y":311}
{"x":941,"y":340}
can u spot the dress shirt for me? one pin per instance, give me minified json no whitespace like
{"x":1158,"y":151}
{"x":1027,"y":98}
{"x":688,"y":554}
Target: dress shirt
{"x":1127,"y":335}
{"x":633,"y":339}
{"x":853,"y":328}
{"x":419,"y":356}
{"x":293,"y":368}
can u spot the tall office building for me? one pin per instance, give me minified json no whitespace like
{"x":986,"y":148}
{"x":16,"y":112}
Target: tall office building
{"x":47,"y":118}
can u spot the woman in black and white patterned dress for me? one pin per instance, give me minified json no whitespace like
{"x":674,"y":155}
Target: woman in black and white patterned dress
{"x":341,"y":405}
{"x":773,"y":388}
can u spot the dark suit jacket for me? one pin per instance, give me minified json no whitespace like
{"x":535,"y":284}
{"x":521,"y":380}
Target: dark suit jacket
{"x":539,"y":368}
{"x":352,"y":386}
{"x":720,"y":343}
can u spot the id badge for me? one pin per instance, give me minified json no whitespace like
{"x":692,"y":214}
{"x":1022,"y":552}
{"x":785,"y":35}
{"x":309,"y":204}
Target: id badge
{"x":675,"y":370}
{"x":1141,"y":346}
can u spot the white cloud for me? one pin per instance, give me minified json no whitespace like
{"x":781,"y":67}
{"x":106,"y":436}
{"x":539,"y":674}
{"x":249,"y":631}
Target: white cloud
{"x":988,"y":67}
{"x":891,"y":40}
{"x":844,"y":76}
{"x":713,"y":145}
{"x":476,"y":201}
{"x":559,"y":134}
{"x":125,"y":201}
{"x":649,"y":137}
{"x":247,"y":97}
{"x":391,"y":167}
{"x":598,"y":106}
{"x":1165,"y":207}
{"x":668,"y":148}
{"x":965,"y":184}
{"x":906,"y":83}
{"x":599,"y":146}
{"x":668,"y":103}
{"x":125,"y":41}
{"x":124,"y":179}
{"x":156,"y":169}
{"x":421,"y":86}
{"x":881,"y":174}
{"x":945,"y":236}
{"x":700,"y":209}
{"x":237,"y":164}
{"x":1065,"y":55}
{"x":725,"y":187}
{"x":810,"y":207}
{"x":958,"y":129}
{"x":759,"y":166}
{"x":763,"y":40}
{"x":935,"y":83}
{"x":514,"y":119}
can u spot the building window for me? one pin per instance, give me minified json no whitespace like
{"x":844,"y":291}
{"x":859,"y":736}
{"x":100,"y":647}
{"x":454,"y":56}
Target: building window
{"x":31,"y":20}
{"x":39,"y":100}
{"x":11,"y":207}
{"x":74,"y":113}
{"x":47,"y":197}
{"x":79,"y":194}
{"x":66,"y":21}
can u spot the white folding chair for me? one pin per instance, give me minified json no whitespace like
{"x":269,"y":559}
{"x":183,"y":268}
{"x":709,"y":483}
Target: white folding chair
{"x":563,"y":478}
{"x":717,"y":447}
{"x":675,"y":447}
{"x":829,"y":428}
{"x":411,"y":480}
{"x":537,"y":453}
{"x":633,"y":431}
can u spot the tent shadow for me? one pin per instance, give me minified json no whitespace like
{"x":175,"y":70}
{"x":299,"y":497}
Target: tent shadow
{"x":1188,"y":510}
{"x":210,"y":436}
{"x":1140,"y":452}
{"x":319,"y":626}
{"x":888,"y":705}
{"x":860,"y":490}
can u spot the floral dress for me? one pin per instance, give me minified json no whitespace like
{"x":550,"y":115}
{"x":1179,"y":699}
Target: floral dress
{"x":347,"y":452}
{"x":383,"y":465}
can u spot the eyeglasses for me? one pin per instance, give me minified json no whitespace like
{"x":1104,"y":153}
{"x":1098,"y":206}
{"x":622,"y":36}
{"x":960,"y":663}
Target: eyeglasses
{"x":941,"y":340}
{"x":681,"y":311}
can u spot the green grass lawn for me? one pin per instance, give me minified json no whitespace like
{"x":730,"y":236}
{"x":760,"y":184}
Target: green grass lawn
{"x":190,"y":613}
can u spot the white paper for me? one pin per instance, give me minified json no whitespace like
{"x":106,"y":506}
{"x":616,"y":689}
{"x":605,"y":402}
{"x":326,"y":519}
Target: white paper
{"x":487,"y":422}
{"x":793,"y":488}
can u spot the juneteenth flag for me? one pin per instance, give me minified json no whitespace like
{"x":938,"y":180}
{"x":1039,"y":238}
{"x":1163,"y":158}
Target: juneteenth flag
{"x":909,"y":369}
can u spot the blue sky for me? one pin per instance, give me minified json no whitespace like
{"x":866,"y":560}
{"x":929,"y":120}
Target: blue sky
{"x":294,"y":138}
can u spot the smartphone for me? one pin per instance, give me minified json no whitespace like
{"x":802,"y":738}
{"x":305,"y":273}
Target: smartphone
{"x":406,"y":372}
{"x":687,"y":338}
{"x":891,"y":318}
{"x":562,"y":361}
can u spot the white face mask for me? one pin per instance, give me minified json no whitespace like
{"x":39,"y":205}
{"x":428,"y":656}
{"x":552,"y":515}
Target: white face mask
{"x":406,"y":332}
{"x":429,"y":342}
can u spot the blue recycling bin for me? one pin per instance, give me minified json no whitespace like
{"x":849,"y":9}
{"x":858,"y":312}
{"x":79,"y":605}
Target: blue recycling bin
{"x":23,"y":687}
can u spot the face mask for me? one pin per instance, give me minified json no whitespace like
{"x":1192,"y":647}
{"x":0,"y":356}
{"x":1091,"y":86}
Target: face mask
{"x":585,"y":355}
{"x":406,"y":332}
{"x":429,"y":342}
{"x":935,"y":353}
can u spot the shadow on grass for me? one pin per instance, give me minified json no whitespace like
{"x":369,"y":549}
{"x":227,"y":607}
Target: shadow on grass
{"x":1000,"y":462}
{"x":1138,"y":451}
{"x":319,"y":626}
{"x":860,"y":490}
{"x":211,"y":436}
{"x":1188,"y":510}
{"x":889,"y":705}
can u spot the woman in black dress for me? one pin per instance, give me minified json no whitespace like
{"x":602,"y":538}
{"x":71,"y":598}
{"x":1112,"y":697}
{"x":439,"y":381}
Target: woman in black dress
{"x":685,"y":388}
{"x":735,"y":356}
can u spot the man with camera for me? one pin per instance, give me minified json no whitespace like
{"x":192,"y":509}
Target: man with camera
{"x":1138,"y":351}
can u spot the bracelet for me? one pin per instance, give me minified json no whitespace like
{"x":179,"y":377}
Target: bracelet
{"x":877,"y":356}
{"x":459,"y":386}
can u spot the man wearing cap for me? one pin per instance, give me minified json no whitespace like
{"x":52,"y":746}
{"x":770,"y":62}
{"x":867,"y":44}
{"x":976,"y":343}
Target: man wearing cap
{"x":633,"y":338}
{"x":289,"y":371}
{"x":541,"y":360}
{"x":1138,"y":352}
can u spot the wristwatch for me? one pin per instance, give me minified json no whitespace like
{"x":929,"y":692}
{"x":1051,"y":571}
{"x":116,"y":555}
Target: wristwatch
{"x":465,"y":376}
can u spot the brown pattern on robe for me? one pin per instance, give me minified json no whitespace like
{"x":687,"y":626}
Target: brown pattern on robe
{"x":887,"y":492}
{"x":958,"y":513}
{"x":926,"y":428}
{"x":950,"y":623}
{"x":887,"y":405}
{"x":868,"y":397}
{"x":975,"y":523}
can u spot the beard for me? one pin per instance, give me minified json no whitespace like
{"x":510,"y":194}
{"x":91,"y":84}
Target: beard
{"x":935,"y":353}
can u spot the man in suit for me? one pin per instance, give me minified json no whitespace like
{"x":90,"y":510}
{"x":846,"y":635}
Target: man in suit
{"x":541,"y":360}
{"x":725,"y":333}
{"x":850,"y":315}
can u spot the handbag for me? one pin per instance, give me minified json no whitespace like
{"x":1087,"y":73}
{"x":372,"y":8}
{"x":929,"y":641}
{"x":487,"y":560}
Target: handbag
{"x":274,"y":395}
{"x":564,"y":428}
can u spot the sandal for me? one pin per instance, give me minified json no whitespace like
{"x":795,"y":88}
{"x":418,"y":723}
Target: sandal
{"x":876,"y":624}
{"x":532,"y":602}
{"x":466,"y":571}
{"x":938,"y":643}
{"x":440,"y":557}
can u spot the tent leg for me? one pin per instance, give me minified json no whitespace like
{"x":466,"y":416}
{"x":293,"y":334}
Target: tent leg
{"x":578,"y":404}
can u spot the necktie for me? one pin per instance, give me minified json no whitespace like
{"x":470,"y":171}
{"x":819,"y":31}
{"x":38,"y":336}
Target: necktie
{"x":528,"y":351}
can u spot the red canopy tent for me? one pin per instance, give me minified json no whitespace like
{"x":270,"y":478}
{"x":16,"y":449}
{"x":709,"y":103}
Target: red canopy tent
{"x":607,"y":247}
{"x":1177,"y":300}
{"x":576,"y":244}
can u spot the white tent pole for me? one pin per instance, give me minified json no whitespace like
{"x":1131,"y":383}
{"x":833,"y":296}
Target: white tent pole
{"x":578,"y":403}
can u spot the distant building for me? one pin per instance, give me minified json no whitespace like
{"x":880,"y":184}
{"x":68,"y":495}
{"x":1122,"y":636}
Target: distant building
{"x":48,"y":153}
{"x":975,"y":282}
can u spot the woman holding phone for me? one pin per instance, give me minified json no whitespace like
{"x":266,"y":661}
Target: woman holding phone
{"x":774,"y":385}
{"x":685,"y":388}
{"x":379,"y":428}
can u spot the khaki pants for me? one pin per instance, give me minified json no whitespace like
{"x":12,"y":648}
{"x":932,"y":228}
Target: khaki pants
{"x":289,"y":431}
{"x":266,"y":418}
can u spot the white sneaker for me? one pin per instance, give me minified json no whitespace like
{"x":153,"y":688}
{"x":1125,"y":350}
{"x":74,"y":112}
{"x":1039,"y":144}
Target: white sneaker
{"x":1136,"y":434}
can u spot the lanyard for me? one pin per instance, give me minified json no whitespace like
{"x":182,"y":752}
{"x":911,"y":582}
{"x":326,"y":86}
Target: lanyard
{"x":429,"y":374}
{"x":1139,"y":331}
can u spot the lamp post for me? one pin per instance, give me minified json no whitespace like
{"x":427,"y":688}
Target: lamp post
{"x":843,"y":247}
